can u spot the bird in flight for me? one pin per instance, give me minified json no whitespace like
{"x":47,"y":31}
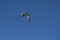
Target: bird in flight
{"x":25,"y":14}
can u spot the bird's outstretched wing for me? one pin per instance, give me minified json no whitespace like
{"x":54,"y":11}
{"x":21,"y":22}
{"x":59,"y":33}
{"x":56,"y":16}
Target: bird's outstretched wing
{"x":18,"y":18}
{"x":29,"y":18}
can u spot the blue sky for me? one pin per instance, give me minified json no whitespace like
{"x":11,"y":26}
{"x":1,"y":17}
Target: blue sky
{"x":44,"y":25}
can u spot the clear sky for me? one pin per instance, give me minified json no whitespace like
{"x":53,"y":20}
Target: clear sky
{"x":44,"y":25}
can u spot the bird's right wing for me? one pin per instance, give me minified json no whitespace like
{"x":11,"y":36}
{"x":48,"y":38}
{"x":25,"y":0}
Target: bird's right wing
{"x":29,"y":18}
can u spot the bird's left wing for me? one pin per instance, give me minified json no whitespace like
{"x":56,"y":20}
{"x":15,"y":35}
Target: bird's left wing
{"x":18,"y":18}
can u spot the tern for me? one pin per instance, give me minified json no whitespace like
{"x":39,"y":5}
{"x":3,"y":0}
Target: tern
{"x":25,"y":14}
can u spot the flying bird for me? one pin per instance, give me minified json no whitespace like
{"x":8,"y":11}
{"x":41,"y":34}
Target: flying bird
{"x":25,"y":14}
